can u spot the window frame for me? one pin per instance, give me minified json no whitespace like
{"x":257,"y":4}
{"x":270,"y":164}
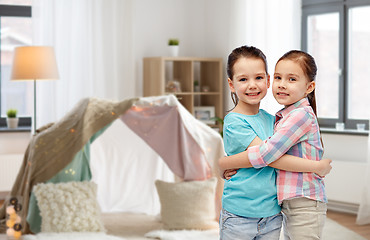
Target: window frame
{"x":316,"y":7}
{"x":14,"y":11}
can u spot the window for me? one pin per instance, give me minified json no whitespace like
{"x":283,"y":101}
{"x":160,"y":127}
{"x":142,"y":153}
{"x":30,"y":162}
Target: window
{"x":15,"y":30}
{"x":337,"y":34}
{"x":358,"y":62}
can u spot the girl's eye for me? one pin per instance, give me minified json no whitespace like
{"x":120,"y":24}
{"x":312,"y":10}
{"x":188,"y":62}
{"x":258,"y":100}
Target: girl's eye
{"x":259,"y":78}
{"x":292,"y":79}
{"x":243,"y":80}
{"x":277,"y":77}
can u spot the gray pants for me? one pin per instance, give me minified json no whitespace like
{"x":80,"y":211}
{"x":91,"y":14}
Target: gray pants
{"x":303,"y":218}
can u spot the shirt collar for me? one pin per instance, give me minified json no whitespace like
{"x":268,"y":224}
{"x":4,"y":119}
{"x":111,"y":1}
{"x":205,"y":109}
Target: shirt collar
{"x":301,"y":103}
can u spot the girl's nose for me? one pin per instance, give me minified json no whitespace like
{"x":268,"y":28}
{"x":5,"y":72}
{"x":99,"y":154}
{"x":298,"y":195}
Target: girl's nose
{"x":282,"y":85}
{"x":252,"y":85}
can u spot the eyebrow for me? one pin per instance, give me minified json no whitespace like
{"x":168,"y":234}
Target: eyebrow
{"x":294,"y":75}
{"x":241,"y":75}
{"x":289,"y":74}
{"x":247,"y":75}
{"x":261,"y":73}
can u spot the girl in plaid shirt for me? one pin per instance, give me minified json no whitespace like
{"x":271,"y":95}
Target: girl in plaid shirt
{"x":250,"y":205}
{"x":301,"y":194}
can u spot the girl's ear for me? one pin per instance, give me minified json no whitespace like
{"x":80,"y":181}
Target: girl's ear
{"x":311,"y":86}
{"x":231,"y":85}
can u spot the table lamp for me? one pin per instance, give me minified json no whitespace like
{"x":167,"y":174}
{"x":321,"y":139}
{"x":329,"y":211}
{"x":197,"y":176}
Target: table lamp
{"x":31,"y":63}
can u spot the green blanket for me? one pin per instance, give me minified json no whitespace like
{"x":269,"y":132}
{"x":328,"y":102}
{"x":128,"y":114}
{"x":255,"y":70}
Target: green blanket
{"x":77,"y":170}
{"x":54,"y":146}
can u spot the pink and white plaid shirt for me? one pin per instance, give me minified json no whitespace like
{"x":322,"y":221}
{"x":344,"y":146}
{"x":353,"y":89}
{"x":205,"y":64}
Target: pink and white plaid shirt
{"x":296,"y":133}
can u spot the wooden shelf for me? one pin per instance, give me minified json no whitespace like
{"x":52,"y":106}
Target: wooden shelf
{"x":159,"y":71}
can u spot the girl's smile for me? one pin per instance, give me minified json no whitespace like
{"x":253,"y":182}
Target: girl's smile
{"x":290,"y":83}
{"x":253,"y":94}
{"x":250,"y":83}
{"x":282,"y":94}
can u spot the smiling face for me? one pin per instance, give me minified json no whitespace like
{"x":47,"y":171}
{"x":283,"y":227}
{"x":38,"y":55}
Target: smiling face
{"x":250,"y":82}
{"x":290,"y":83}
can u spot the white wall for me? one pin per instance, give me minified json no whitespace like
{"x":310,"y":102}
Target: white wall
{"x":157,"y":21}
{"x":345,"y":148}
{"x":218,"y":33}
{"x":200,"y":25}
{"x":14,"y":143}
{"x":349,"y":155}
{"x":12,"y":149}
{"x":204,"y":28}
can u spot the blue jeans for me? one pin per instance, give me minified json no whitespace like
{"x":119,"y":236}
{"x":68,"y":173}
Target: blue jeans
{"x":234,"y":227}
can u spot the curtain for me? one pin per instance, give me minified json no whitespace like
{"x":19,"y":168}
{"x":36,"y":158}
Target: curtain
{"x":363,"y":215}
{"x":93,"y":47}
{"x":270,"y":25}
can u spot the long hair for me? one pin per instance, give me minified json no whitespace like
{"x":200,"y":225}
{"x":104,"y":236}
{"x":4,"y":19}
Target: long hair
{"x":235,"y":55}
{"x":308,"y":65}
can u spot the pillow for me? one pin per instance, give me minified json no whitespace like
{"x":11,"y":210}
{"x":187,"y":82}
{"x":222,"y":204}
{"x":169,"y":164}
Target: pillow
{"x":68,"y":207}
{"x":188,"y":205}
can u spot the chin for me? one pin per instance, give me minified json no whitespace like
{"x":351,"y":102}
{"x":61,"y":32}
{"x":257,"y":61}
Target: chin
{"x":254,"y":102}
{"x":283,"y":102}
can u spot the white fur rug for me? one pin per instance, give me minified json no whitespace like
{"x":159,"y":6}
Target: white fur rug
{"x":183,"y":235}
{"x":335,"y":231}
{"x":332,"y":231}
{"x":72,"y":236}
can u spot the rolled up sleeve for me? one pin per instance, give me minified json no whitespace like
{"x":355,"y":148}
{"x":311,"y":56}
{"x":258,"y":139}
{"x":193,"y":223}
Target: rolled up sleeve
{"x":291,"y":130}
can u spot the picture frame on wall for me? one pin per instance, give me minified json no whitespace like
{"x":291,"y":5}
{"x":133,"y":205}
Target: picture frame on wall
{"x":205,"y":114}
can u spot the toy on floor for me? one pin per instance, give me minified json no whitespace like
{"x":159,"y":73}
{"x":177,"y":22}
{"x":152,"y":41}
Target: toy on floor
{"x":13,"y":222}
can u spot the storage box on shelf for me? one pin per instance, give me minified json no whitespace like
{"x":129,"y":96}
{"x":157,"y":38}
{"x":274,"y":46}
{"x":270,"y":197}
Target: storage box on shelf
{"x":195,"y":81}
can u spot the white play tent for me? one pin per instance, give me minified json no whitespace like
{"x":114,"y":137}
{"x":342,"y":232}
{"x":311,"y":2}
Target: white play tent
{"x":142,"y":140}
{"x":154,"y":129}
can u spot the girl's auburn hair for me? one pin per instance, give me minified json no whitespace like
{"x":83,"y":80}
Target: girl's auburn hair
{"x":308,"y":65}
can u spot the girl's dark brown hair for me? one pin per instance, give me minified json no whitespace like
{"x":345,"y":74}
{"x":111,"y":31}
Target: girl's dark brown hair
{"x":235,"y":55}
{"x":308,"y":65}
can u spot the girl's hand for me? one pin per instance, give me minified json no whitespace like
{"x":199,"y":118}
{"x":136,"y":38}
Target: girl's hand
{"x":229,"y":173}
{"x":324,"y":167}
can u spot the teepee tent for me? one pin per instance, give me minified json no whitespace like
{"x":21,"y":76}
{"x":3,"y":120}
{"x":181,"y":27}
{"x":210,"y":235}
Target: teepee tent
{"x":123,"y":147}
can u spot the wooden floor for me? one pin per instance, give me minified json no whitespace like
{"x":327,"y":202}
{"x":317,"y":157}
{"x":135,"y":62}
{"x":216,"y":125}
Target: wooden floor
{"x":345,"y":219}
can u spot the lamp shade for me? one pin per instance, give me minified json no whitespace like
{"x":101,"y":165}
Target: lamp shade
{"x":34,"y":63}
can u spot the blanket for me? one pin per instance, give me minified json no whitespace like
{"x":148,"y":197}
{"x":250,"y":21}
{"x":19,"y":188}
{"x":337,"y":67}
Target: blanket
{"x":54,"y":146}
